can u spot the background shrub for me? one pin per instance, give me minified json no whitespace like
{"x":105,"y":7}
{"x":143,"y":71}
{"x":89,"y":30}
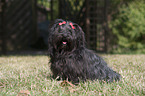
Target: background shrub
{"x":128,"y":26}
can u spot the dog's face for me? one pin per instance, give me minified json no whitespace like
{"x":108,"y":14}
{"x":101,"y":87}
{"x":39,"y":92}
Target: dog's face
{"x":65,"y":36}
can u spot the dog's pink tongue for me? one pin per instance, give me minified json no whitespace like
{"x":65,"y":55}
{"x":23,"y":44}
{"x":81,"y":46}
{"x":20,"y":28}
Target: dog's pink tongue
{"x":64,"y":42}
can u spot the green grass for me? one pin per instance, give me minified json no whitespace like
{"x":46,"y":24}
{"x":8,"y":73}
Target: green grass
{"x":32,"y":74}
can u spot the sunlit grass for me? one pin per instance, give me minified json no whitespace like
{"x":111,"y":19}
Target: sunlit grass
{"x":31,"y":75}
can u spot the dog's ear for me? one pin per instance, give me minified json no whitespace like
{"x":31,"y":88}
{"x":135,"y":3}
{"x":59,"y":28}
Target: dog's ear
{"x":81,"y":35}
{"x":50,"y":47}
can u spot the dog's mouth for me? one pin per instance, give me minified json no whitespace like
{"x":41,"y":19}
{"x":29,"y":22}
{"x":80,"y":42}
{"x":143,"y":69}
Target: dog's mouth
{"x":64,"y":45}
{"x":64,"y":42}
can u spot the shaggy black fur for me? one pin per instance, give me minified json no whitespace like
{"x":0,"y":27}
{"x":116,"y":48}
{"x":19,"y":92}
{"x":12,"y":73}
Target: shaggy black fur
{"x":71,"y":60}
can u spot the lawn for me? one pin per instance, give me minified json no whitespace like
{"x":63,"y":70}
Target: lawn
{"x":30,"y":75}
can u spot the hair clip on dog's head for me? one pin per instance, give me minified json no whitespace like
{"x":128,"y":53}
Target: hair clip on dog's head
{"x":62,"y":23}
{"x":72,"y":25}
{"x":69,"y":24}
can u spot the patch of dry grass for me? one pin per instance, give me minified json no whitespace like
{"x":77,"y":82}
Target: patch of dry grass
{"x":30,"y":75}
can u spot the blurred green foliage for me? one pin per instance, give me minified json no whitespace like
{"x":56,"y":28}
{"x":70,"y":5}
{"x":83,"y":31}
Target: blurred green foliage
{"x":128,"y":26}
{"x":75,"y":6}
{"x":47,"y":4}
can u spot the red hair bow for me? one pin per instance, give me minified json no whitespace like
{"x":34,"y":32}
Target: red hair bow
{"x":62,"y":23}
{"x":69,"y":24}
{"x":72,"y":25}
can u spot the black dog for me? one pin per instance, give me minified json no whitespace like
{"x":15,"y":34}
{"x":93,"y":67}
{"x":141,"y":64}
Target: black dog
{"x":71,"y":60}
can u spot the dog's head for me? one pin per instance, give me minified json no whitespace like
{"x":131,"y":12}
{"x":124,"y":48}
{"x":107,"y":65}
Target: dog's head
{"x":65,"y":36}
